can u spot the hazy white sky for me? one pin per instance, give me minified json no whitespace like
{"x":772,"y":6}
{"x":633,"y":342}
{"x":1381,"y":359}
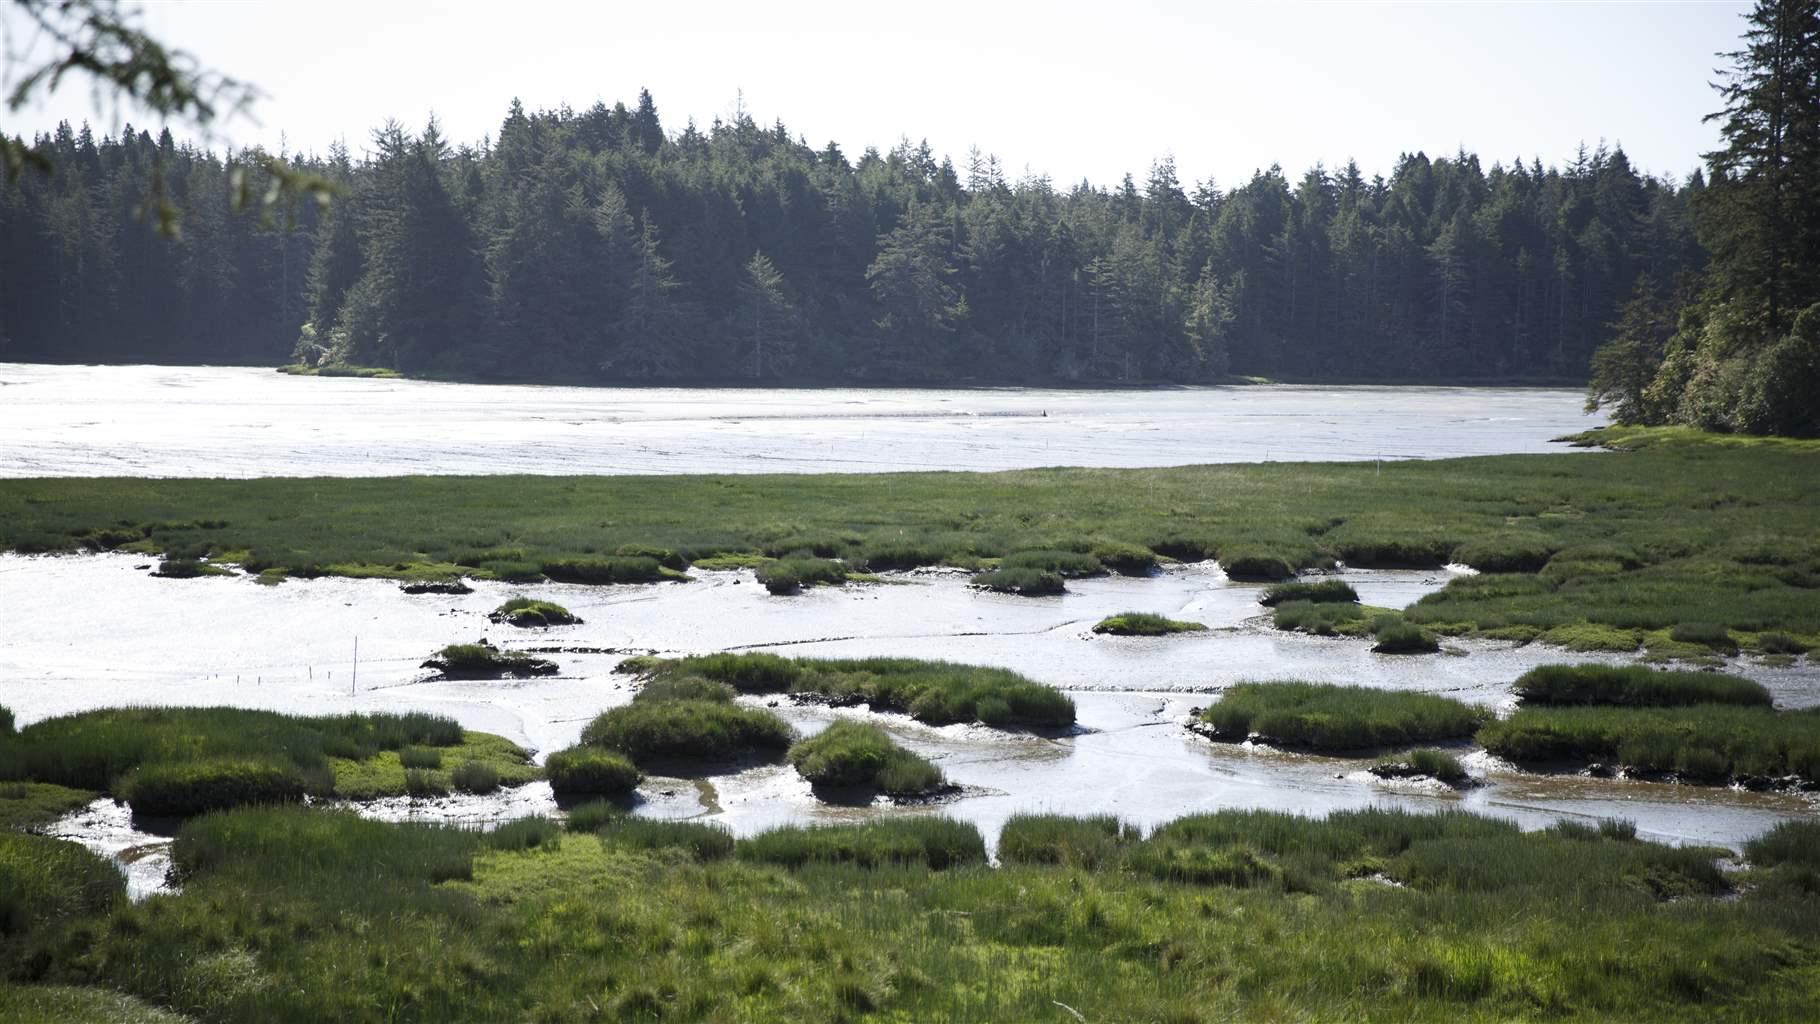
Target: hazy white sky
{"x":1072,"y":89}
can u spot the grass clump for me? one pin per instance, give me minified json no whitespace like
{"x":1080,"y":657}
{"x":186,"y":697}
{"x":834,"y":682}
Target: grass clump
{"x":189,"y":569}
{"x":420,"y":757}
{"x":664,"y":688}
{"x":851,"y":754}
{"x":935,"y":692}
{"x":590,"y":771}
{"x":590,"y":816}
{"x":1790,"y":842}
{"x":1399,"y":637}
{"x":29,"y":805}
{"x":476,"y":777}
{"x":1706,"y":634}
{"x":1318,"y":592}
{"x":1779,"y":644}
{"x":484,"y":661}
{"x":1506,"y":554}
{"x":789,"y":575}
{"x":530,"y":613}
{"x":1317,"y":716}
{"x":690,"y":732}
{"x":935,"y":843}
{"x":1024,"y":582}
{"x":44,"y":880}
{"x":180,"y":789}
{"x":612,"y":569}
{"x":700,"y":841}
{"x":1125,"y":559}
{"x":1635,"y":686}
{"x":1144,"y":624}
{"x":1704,"y":743}
{"x":1434,"y":764}
{"x":1327,"y":618}
{"x":1254,"y":565}
{"x":1063,"y":563}
{"x":423,"y":784}
{"x":1089,"y":843}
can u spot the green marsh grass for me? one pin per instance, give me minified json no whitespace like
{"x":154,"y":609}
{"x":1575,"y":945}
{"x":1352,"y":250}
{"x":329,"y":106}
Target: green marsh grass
{"x":789,"y":575}
{"x":1022,"y":581}
{"x":1436,"y":764}
{"x":850,"y":754}
{"x":700,"y":841}
{"x":1706,"y":634}
{"x":589,"y":771}
{"x":690,"y":732}
{"x":45,"y":880}
{"x":1635,"y":685}
{"x":1399,"y":637}
{"x":1317,"y":591}
{"x":293,"y":915}
{"x":1317,"y":716}
{"x":1674,"y":532}
{"x":1056,"y":839}
{"x":476,"y":777}
{"x":1710,"y":743}
{"x":70,"y":1004}
{"x":531,"y":613}
{"x":1144,"y":624}
{"x":610,"y":569}
{"x":25,"y":806}
{"x":481,"y":661}
{"x":931,"y":842}
{"x":935,"y":692}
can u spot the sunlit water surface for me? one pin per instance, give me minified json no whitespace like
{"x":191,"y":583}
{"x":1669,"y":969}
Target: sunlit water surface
{"x":247,"y":422}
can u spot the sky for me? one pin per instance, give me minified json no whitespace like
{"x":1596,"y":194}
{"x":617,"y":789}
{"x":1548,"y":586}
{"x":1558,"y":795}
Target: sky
{"x":1074,"y":90}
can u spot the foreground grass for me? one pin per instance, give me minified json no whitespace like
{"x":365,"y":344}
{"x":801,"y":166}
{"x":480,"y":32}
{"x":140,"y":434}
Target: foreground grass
{"x":1316,"y":716}
{"x":63,"y":1004}
{"x":298,"y":915}
{"x":28,"y":805}
{"x":182,"y":761}
{"x":935,"y":692}
{"x":1693,"y":530}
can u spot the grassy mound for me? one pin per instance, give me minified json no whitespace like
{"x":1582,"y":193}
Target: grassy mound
{"x":1434,"y":764}
{"x":183,"y":760}
{"x":1403,"y":638}
{"x":936,"y":692}
{"x":689,"y":732}
{"x":590,"y":771}
{"x":1316,"y":716}
{"x":1057,"y":839}
{"x":612,"y":569}
{"x":1125,"y":559}
{"x":789,"y":575}
{"x":1707,"y":743}
{"x":530,"y":613}
{"x":936,"y":843}
{"x":1021,"y":581}
{"x":1144,"y":624}
{"x":853,"y":754}
{"x":701,"y":841}
{"x":1257,"y":565}
{"x":189,"y":569}
{"x":1316,"y":592}
{"x":1635,"y":685}
{"x":29,"y":805}
{"x":484,"y":661}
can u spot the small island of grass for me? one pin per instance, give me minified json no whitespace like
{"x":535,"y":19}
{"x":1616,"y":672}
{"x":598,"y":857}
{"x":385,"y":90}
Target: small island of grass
{"x":688,"y":727}
{"x":1326,"y":718}
{"x":530,"y":613}
{"x":1419,"y":764}
{"x":1322,"y":591}
{"x":854,"y":755}
{"x":1636,"y":686}
{"x":1144,"y":624}
{"x":484,"y":661}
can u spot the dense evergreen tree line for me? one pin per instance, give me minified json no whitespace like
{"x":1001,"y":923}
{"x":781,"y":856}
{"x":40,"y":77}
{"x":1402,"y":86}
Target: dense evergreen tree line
{"x":599,"y":246}
{"x":1738,"y":346}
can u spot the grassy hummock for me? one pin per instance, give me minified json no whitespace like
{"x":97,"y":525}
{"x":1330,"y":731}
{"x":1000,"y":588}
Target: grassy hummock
{"x":1403,"y":638}
{"x":790,"y":575}
{"x":531,"y":613}
{"x":690,"y":733}
{"x":1058,"y":839}
{"x":189,"y":569}
{"x":1317,"y":592}
{"x":936,"y":843}
{"x":484,"y":661}
{"x":25,"y":806}
{"x":1318,"y":716}
{"x":1426,"y":763}
{"x":855,"y":755}
{"x":340,"y":370}
{"x":610,"y":569}
{"x":1703,"y":743}
{"x":1144,"y":624}
{"x":935,"y":692}
{"x":1022,"y":581}
{"x":1635,"y":685}
{"x":590,"y":771}
{"x":186,"y":760}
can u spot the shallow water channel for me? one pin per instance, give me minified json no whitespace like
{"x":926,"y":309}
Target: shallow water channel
{"x":138,"y":639}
